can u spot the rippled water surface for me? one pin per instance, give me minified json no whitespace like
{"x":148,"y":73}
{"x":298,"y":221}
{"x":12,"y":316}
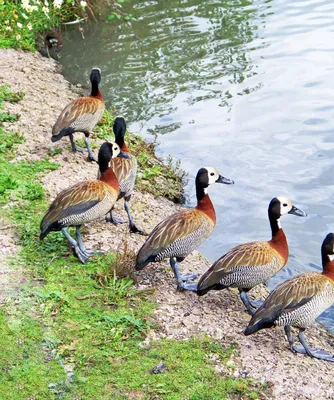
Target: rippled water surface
{"x":245,"y":86}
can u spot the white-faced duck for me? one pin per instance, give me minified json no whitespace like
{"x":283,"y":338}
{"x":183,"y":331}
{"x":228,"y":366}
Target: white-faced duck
{"x":84,"y":202}
{"x":126,"y":170}
{"x":250,"y":264}
{"x":181,"y":233}
{"x":298,"y":302}
{"x":81,"y":115}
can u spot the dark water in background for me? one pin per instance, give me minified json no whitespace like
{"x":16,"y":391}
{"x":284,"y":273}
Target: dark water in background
{"x":245,"y":86}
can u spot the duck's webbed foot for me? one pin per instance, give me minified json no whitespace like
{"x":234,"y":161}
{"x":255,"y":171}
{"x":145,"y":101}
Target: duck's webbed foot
{"x":75,"y":246}
{"x":306,"y":349}
{"x":249,"y":304}
{"x":188,"y":277}
{"x":191,"y":286}
{"x":114,"y":220}
{"x":91,"y":156}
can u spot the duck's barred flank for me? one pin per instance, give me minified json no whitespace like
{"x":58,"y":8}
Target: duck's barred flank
{"x":100,"y":209}
{"x":247,"y":277}
{"x":86,"y":122}
{"x":305,"y":315}
{"x":184,"y":246}
{"x":127,"y":184}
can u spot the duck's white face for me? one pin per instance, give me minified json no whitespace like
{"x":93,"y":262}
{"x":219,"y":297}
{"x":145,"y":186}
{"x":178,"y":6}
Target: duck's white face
{"x":286,"y":205}
{"x":213,"y":175}
{"x":115,"y":151}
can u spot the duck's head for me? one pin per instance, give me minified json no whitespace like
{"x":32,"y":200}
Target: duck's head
{"x":109,"y":150}
{"x":280,"y":206}
{"x":327,"y":247}
{"x":95,"y":75}
{"x":208,"y":175}
{"x":119,"y":129}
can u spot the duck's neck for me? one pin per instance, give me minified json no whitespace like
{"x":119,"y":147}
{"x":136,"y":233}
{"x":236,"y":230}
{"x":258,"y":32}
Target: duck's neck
{"x":110,"y":178}
{"x":278,"y":238}
{"x":328,"y":266}
{"x":121,"y":144}
{"x":95,"y":92}
{"x":204,"y":203}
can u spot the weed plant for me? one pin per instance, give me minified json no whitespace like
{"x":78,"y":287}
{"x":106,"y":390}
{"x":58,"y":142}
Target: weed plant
{"x":23,"y":21}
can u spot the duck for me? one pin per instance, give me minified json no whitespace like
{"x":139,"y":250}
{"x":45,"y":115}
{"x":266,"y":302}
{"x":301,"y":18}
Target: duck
{"x":81,"y":115}
{"x":253,"y":263}
{"x":126,"y":170}
{"x":298,"y":301}
{"x":84,"y":202}
{"x":181,"y":233}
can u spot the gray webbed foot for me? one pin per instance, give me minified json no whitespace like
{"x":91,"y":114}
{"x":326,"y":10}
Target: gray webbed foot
{"x":135,"y":229}
{"x":188,"y":277}
{"x":115,"y":220}
{"x":316,"y":353}
{"x":247,"y":303}
{"x":256,"y":303}
{"x":91,"y":157}
{"x":192,"y":287}
{"x":76,"y":149}
{"x":298,"y":349}
{"x":83,"y":257}
{"x":91,"y":253}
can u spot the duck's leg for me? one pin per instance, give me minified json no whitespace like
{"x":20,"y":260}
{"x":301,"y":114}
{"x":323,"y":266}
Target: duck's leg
{"x":180,"y":283}
{"x":74,"y":147}
{"x":306,"y":349}
{"x":133,"y":227}
{"x":82,"y":247}
{"x":91,"y":156}
{"x":244,"y":298}
{"x":287,"y":329}
{"x":113,"y":219}
{"x":82,"y":256}
{"x":255,"y":303}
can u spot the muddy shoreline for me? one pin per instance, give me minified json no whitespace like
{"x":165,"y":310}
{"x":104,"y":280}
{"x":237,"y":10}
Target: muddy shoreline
{"x":264,"y":356}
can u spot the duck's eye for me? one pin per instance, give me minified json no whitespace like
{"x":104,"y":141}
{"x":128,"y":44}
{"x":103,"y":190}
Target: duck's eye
{"x":212,"y":173}
{"x":115,"y":148}
{"x":285,"y":205}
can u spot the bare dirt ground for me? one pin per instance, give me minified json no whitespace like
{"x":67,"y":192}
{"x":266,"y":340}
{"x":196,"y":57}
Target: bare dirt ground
{"x":264,"y":356}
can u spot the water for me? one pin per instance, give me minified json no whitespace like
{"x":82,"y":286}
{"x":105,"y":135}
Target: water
{"x":245,"y":86}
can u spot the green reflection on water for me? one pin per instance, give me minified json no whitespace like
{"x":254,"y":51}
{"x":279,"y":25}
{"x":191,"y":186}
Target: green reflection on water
{"x":194,"y":50}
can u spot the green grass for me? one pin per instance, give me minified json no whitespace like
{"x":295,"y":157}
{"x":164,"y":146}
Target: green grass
{"x":76,"y":331}
{"x":24,"y":24}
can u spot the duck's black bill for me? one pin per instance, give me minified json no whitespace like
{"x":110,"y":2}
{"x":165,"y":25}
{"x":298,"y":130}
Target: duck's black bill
{"x":297,"y":211}
{"x":222,"y":179}
{"x":123,"y":155}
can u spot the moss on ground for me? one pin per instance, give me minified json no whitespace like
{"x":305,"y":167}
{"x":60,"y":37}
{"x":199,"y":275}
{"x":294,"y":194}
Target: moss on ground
{"x":76,"y":331}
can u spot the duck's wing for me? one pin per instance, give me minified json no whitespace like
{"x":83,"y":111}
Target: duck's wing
{"x":75,"y":200}
{"x":177,"y":226}
{"x":78,"y":112}
{"x":286,"y":298}
{"x":252,"y":254}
